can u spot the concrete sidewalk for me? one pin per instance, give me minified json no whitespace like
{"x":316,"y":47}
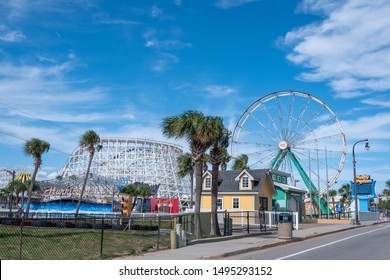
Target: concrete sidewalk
{"x":214,"y":248}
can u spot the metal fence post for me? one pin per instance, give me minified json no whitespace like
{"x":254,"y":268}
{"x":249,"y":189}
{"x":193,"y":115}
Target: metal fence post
{"x":21,"y":239}
{"x":247,"y":222}
{"x":158,"y":232}
{"x":101,"y":239}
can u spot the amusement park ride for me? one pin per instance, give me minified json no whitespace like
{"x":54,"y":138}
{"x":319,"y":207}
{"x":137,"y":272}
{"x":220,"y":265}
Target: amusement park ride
{"x":297,"y":133}
{"x":290,"y":131}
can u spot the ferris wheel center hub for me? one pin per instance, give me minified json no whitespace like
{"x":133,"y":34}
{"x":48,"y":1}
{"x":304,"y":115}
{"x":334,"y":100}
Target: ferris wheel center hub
{"x":283,"y":145}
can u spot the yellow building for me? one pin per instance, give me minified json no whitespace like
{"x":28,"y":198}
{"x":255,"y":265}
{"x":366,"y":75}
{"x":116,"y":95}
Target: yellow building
{"x":240,"y":190}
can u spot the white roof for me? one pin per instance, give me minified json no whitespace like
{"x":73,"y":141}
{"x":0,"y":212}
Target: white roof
{"x":289,"y":187}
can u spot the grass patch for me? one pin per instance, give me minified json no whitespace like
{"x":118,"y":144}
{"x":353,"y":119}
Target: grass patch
{"x":74,"y":243}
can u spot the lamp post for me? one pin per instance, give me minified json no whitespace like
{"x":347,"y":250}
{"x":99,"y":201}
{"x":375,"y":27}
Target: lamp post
{"x":367,"y":146}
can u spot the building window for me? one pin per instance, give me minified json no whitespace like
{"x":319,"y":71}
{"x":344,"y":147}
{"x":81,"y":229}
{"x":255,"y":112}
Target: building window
{"x":284,"y":181}
{"x":278,"y":180}
{"x":245,"y":182}
{"x":207,"y":183}
{"x":274,"y":177}
{"x":219,"y":203}
{"x":236,"y":203}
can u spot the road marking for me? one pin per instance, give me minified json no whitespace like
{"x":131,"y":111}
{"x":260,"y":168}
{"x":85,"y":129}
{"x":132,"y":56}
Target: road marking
{"x":331,"y":243}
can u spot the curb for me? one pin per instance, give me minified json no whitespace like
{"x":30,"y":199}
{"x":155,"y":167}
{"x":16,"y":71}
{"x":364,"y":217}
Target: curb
{"x":278,"y":243}
{"x":226,"y":238}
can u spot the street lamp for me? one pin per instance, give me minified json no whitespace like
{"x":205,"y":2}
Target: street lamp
{"x":367,"y":146}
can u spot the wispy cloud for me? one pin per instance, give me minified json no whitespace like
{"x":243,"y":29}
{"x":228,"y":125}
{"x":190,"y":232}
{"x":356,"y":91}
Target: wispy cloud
{"x":380,"y":101}
{"x":349,"y":49}
{"x":319,"y":6}
{"x":8,"y":35}
{"x":227,"y":4}
{"x":375,"y":127}
{"x":152,"y":41}
{"x":218,"y":91}
{"x":164,"y":61}
{"x":121,"y":22}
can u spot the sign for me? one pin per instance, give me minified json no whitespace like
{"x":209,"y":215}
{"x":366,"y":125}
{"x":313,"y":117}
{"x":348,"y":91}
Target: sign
{"x":365,"y":187}
{"x":339,"y":208}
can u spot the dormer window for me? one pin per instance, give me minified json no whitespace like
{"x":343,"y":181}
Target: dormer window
{"x":207,"y":183}
{"x":245,"y":182}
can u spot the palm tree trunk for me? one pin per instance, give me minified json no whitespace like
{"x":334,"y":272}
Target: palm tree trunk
{"x":198,"y":193}
{"x":31,"y":188}
{"x":192,"y":189}
{"x":84,"y":185}
{"x":214,"y":197}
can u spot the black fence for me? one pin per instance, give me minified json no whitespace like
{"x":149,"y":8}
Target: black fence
{"x":62,"y":237}
{"x":85,"y":238}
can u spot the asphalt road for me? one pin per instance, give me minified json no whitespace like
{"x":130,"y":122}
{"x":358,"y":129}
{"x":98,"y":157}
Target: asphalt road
{"x":364,"y":243}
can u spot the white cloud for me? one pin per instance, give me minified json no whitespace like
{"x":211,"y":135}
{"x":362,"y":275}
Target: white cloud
{"x":373,"y":127}
{"x":152,"y":41}
{"x":217,"y":91}
{"x":156,"y":12}
{"x":227,"y":4}
{"x":381,"y":101}
{"x":11,"y":35}
{"x":164,"y":62}
{"x":121,"y":22}
{"x":349,"y":49}
{"x":319,"y":6}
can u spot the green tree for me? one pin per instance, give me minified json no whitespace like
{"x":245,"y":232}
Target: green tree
{"x":345,"y":192}
{"x":187,"y":167}
{"x":332,"y":195}
{"x":25,"y":178}
{"x":133,"y":192}
{"x":200,"y":131}
{"x":216,"y":157}
{"x":91,"y":141}
{"x":386,"y":191}
{"x":241,"y":162}
{"x":144,"y":192}
{"x":225,"y":159}
{"x":35,"y":148}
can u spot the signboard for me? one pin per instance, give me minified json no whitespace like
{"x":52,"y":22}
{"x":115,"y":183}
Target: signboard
{"x":365,"y":187}
{"x":339,"y":208}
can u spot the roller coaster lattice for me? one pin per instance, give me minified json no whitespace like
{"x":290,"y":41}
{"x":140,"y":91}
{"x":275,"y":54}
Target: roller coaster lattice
{"x":130,"y":160}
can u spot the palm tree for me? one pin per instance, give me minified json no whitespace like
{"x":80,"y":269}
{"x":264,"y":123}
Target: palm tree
{"x":89,"y":140}
{"x":200,"y":131}
{"x":216,"y":158}
{"x":225,"y":159}
{"x":386,"y":191}
{"x":187,"y":167}
{"x":241,"y":163}
{"x":332,"y":194}
{"x":34,"y":147}
{"x":144,"y":192}
{"x":345,"y":192}
{"x":25,"y":178}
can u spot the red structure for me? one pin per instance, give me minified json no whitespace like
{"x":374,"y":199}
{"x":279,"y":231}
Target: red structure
{"x":164,"y":205}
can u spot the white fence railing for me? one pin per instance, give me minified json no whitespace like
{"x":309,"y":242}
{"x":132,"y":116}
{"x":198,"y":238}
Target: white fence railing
{"x":268,"y":218}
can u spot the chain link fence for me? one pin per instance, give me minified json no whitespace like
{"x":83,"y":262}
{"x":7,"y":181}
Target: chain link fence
{"x":51,"y":236}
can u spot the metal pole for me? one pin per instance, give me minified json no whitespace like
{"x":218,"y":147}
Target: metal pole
{"x":354,"y":180}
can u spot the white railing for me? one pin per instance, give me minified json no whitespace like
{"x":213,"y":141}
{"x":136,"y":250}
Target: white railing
{"x":270,"y":219}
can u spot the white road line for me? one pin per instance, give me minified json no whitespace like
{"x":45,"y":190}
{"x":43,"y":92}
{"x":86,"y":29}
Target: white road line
{"x":331,"y":243}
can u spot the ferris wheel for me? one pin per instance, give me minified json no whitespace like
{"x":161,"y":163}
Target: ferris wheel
{"x":296,"y":133}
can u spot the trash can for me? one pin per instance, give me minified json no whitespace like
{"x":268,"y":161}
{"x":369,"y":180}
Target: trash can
{"x":228,"y":226}
{"x":285,"y":226}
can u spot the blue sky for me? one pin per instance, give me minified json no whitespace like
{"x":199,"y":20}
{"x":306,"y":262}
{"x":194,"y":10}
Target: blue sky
{"x":120,"y":67}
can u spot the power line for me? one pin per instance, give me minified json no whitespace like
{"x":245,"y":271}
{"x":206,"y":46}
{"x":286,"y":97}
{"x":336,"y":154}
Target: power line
{"x":22,"y":139}
{"x":38,"y":118}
